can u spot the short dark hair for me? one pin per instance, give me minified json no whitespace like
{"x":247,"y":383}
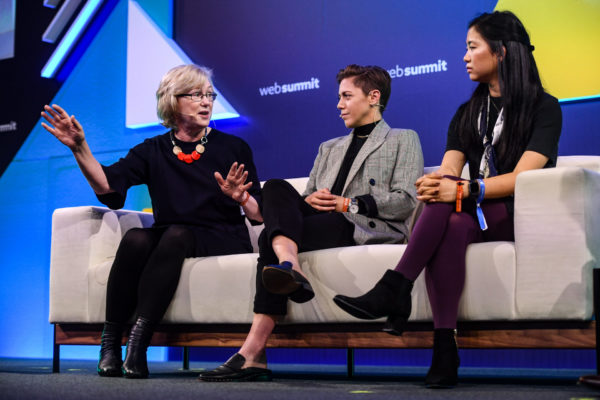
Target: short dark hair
{"x":369,"y":77}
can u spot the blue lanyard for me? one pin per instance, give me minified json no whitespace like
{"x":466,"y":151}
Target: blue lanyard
{"x":480,"y":216}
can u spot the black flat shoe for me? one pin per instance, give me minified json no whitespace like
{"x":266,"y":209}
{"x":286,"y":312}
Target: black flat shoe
{"x":231,"y":371}
{"x":304,"y":293}
{"x":282,"y":279}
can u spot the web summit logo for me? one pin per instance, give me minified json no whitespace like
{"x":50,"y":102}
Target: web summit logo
{"x":398,"y":72}
{"x":10,"y":127}
{"x":289,"y":87}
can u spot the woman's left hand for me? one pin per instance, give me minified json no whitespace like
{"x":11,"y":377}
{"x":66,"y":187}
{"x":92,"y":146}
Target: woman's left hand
{"x":437,"y":189}
{"x":234,"y":185}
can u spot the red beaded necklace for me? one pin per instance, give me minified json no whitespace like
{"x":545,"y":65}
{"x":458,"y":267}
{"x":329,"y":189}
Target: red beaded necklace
{"x":196,"y":154}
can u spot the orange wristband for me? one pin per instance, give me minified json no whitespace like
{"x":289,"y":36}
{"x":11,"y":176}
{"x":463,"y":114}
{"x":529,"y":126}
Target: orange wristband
{"x":243,"y":203}
{"x":346,"y":204}
{"x":459,"y":196}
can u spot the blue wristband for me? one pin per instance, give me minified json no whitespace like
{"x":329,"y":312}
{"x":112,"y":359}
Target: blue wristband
{"x":480,"y":216}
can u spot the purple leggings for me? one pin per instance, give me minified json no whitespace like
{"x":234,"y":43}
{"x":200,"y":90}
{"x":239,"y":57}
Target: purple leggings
{"x":439,"y":244}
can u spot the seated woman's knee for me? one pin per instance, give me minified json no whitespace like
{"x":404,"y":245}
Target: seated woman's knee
{"x":460,"y":223}
{"x":263,"y":240}
{"x":138,"y":239}
{"x":177,"y":234}
{"x":275,"y":185}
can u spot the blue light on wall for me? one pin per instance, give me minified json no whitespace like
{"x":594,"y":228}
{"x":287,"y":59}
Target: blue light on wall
{"x":575,"y":99}
{"x":70,"y":38}
{"x":59,"y":21}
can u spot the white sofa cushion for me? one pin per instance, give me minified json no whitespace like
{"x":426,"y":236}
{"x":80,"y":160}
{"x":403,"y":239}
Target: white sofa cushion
{"x":544,"y":275}
{"x":221,"y":289}
{"x":557,"y":236}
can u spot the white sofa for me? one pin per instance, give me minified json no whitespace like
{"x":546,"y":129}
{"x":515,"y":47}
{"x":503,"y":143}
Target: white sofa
{"x":545,"y":275}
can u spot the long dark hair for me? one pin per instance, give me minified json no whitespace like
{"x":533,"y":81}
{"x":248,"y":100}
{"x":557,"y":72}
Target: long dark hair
{"x":520,"y":85}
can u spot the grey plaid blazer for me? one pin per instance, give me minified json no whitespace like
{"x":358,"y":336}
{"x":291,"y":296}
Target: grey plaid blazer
{"x":386,"y":167}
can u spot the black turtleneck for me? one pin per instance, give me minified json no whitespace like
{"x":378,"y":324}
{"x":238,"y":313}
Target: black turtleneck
{"x":359,"y":137}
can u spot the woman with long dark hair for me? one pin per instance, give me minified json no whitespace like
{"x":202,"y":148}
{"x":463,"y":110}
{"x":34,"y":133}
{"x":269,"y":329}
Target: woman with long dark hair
{"x":508,"y":126}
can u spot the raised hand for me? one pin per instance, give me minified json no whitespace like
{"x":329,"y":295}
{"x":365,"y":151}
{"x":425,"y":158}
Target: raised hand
{"x":66,"y":129}
{"x":234,"y":185}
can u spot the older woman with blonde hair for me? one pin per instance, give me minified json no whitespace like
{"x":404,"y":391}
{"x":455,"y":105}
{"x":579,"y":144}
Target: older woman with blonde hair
{"x":196,"y":211}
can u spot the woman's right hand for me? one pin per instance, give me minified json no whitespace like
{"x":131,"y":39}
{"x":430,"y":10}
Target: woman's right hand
{"x":322,"y":200}
{"x":234,"y":185}
{"x":66,"y":129}
{"x":428,"y":186}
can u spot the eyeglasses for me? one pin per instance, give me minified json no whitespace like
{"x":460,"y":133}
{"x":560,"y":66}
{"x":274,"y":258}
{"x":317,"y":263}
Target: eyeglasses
{"x":198,"y":96}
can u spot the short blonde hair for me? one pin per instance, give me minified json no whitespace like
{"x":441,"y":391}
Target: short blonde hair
{"x":178,"y":80}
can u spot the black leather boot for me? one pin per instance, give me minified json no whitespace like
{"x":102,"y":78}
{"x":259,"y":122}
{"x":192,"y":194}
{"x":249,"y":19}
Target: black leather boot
{"x":135,"y":365}
{"x":389,"y":297}
{"x":110,"y":350}
{"x":443,"y":372}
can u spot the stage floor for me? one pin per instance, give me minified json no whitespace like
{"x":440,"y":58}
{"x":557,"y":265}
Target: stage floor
{"x":33,"y":379}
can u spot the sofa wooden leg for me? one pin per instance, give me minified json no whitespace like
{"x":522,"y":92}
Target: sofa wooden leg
{"x":186,"y":358}
{"x":350,"y":362}
{"x":596,"y":283}
{"x":55,"y":355}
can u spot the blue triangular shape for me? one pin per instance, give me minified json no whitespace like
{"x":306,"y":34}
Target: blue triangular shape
{"x":150,"y":54}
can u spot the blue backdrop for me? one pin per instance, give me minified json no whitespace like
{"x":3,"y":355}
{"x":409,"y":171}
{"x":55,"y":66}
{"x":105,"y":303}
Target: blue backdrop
{"x":258,"y":49}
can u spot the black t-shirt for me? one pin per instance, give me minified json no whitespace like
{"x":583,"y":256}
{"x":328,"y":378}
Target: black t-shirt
{"x":181,"y":193}
{"x":547,"y":125}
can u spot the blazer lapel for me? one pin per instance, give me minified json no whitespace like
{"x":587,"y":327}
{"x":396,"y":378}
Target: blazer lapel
{"x":376,"y":138}
{"x":334,"y":161}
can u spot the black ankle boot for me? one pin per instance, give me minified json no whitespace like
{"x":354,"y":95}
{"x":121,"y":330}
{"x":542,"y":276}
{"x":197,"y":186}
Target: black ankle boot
{"x":110,"y":350}
{"x":135,"y":365}
{"x":443,"y":372}
{"x":389,"y":297}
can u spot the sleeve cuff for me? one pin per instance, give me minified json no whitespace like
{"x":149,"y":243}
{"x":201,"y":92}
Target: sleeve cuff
{"x":112,"y":200}
{"x":367,"y":205}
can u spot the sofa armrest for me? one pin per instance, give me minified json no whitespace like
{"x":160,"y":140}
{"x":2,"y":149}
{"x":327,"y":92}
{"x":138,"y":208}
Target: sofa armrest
{"x":557,"y":241}
{"x":81,"y":238}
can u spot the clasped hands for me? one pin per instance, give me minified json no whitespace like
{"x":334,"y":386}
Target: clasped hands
{"x":323,"y":200}
{"x":435,"y":188}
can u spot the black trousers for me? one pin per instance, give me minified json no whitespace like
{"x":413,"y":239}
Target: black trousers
{"x":147,"y":266}
{"x":286,"y":213}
